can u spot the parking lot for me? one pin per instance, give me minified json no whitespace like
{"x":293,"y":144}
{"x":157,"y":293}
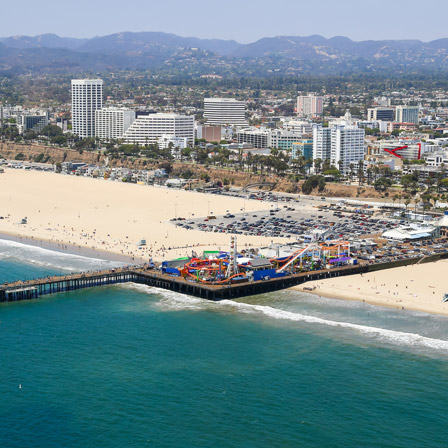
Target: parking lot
{"x":292,"y":221}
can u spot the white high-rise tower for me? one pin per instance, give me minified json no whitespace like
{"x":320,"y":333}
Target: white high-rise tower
{"x":87,"y":97}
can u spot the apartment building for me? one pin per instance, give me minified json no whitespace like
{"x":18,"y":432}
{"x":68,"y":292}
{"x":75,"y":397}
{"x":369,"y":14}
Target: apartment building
{"x":283,"y":140}
{"x":258,"y":138}
{"x":347,"y":146}
{"x":310,"y":106}
{"x":112,"y":123}
{"x":321,"y":142}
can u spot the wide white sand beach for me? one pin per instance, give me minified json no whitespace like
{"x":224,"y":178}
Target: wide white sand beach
{"x":113,"y":216}
{"x":418,"y":287}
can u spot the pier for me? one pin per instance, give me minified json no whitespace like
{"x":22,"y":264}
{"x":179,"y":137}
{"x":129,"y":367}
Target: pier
{"x":33,"y":289}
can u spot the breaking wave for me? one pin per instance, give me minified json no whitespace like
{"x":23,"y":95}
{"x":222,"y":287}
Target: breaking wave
{"x":12,"y":250}
{"x":173,"y":301}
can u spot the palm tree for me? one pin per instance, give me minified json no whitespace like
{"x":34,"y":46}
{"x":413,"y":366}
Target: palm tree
{"x":360,"y":171}
{"x":352,"y":168}
{"x":407,"y":202}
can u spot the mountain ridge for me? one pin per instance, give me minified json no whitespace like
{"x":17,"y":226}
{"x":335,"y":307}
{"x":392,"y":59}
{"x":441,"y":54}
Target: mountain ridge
{"x":159,"y":50}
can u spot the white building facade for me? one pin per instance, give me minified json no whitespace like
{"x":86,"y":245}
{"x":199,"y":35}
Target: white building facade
{"x":147,"y":129}
{"x":347,"y":146}
{"x":167,"y":141}
{"x":299,"y":127}
{"x":258,"y":138}
{"x":87,"y":98}
{"x":281,"y":139}
{"x":112,"y":123}
{"x":321,"y":142}
{"x":225,"y":112}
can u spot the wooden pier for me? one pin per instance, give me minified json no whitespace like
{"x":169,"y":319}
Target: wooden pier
{"x":33,"y":289}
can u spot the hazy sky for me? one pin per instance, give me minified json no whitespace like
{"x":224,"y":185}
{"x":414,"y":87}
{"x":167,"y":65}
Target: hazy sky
{"x":242,"y":20}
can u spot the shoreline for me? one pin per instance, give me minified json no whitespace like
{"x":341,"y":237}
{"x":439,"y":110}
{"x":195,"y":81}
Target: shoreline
{"x":67,"y":248}
{"x":347,"y":298}
{"x":418,"y":287}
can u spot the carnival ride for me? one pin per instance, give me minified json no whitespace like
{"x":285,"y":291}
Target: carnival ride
{"x":230,"y":267}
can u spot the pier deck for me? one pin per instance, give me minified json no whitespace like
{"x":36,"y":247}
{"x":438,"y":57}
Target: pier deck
{"x":32,"y":289}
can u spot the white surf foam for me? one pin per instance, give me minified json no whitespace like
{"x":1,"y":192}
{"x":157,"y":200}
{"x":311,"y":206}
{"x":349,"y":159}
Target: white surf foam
{"x":173,"y":301}
{"x":393,"y":336}
{"x":48,"y":258}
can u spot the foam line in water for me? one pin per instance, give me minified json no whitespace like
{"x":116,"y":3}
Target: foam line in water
{"x":396,"y":337}
{"x":176,"y":302}
{"x":50,"y":258}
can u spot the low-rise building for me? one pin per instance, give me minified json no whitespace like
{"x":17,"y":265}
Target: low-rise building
{"x":258,"y":138}
{"x":442,"y":224}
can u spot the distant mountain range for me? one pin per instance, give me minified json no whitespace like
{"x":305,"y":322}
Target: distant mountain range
{"x":270,"y":55}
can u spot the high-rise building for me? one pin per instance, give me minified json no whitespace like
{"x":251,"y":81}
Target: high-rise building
{"x":225,"y":112}
{"x":381,"y":114}
{"x":112,"y":123}
{"x":321,"y":142}
{"x":340,"y":144}
{"x":406,"y":114}
{"x":87,"y":98}
{"x":347,"y":146}
{"x":147,"y":129}
{"x":310,"y":106}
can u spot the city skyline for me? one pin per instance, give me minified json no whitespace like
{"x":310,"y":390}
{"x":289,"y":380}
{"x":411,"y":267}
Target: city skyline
{"x":397,"y":20}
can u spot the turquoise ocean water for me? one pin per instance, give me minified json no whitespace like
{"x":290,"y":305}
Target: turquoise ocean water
{"x":131,"y":366}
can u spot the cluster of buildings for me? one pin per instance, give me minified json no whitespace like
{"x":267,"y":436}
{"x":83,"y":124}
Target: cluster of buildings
{"x":26,"y":120}
{"x":345,"y":142}
{"x":391,"y":118}
{"x":91,"y":119}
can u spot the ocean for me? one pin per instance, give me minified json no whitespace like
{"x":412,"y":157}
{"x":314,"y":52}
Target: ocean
{"x":133,"y":366}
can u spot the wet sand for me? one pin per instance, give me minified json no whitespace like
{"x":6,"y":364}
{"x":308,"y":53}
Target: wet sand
{"x":418,"y":287}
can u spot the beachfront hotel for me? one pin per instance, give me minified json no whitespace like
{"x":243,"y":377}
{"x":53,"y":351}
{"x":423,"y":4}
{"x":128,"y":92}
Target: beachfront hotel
{"x":225,"y":112}
{"x":87,"y":98}
{"x":147,"y":129}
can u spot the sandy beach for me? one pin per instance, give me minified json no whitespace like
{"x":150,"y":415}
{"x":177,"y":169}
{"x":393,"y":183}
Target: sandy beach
{"x":416,"y":287}
{"x":111,"y":216}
